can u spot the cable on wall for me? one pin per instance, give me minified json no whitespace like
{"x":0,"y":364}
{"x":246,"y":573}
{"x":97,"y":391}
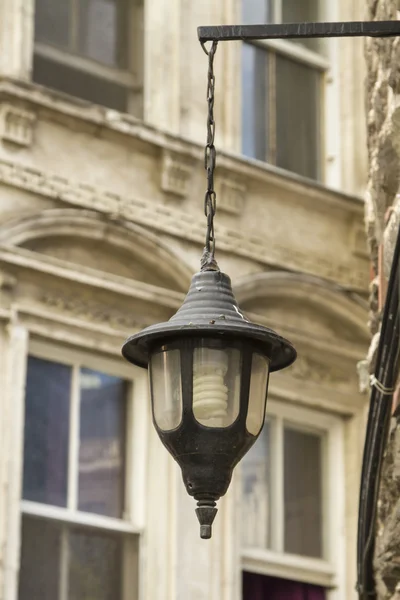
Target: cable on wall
{"x":383,"y":384}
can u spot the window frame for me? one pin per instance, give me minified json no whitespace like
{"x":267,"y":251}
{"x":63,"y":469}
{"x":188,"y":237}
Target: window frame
{"x":327,"y":571}
{"x":131,"y":524}
{"x":129,"y":78}
{"x":324,"y":64}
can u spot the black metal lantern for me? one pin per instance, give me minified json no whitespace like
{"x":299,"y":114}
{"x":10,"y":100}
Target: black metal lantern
{"x":208,"y":368}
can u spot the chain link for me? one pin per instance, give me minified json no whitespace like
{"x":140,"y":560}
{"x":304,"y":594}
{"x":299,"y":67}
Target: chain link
{"x":210,"y":205}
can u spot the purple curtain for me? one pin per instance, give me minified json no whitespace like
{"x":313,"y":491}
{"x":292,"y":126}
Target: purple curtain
{"x":260,"y":587}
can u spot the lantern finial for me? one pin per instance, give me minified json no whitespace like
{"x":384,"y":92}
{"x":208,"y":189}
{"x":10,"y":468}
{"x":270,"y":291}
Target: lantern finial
{"x":206,"y":511}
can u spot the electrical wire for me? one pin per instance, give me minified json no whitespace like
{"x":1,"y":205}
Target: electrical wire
{"x":383,"y":383}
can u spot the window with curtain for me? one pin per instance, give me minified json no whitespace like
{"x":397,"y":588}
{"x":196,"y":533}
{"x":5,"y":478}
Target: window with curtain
{"x":84,"y":48}
{"x":282,"y":90}
{"x":77,"y":542}
{"x":259,"y":587}
{"x":285,"y":514}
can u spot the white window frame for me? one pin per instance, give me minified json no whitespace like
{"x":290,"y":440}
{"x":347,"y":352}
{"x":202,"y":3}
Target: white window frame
{"x":330,"y":571}
{"x":129,"y":78}
{"x":326,"y":64}
{"x":133,"y":521}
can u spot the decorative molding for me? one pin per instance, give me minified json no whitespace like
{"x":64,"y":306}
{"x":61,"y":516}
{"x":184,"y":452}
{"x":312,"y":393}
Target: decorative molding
{"x":63,"y":110}
{"x":230,"y":195}
{"x":16,"y":125}
{"x":80,"y":274}
{"x":177,"y":223}
{"x":176,"y":173}
{"x":311,"y":370}
{"x":91,"y":311}
{"x":64,"y":328}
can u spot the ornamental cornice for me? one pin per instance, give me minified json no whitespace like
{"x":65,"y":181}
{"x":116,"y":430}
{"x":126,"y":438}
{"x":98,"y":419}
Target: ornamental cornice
{"x":166,"y":219}
{"x":59,"y":107}
{"x":20,"y":258}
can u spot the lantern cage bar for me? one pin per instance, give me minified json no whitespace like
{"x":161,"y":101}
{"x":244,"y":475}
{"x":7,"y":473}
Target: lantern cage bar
{"x":222,"y":33}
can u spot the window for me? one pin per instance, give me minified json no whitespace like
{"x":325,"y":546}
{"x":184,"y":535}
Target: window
{"x":282,"y":83}
{"x":289,"y":523}
{"x":79,"y":538}
{"x":84,"y":48}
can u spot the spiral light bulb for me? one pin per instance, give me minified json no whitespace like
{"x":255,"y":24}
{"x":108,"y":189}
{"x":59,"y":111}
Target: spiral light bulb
{"x":210,"y":394}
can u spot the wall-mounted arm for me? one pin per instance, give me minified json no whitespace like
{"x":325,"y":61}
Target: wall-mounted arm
{"x":221,"y":33}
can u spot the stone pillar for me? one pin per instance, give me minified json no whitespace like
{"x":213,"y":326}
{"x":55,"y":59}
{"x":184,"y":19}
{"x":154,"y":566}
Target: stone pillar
{"x":162,"y":61}
{"x":16,"y":38}
{"x":13,"y":353}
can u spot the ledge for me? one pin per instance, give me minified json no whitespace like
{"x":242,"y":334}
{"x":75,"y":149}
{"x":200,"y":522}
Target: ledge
{"x":64,"y":107}
{"x":266,"y":562}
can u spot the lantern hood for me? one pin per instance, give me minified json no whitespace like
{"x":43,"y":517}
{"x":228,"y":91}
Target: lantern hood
{"x":209,"y":310}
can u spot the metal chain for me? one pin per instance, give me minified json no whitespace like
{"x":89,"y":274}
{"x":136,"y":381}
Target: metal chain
{"x":210,"y":205}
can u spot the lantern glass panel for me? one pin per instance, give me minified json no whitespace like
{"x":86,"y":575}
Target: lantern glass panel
{"x":166,"y":388}
{"x":216,"y":385}
{"x":257,"y":393}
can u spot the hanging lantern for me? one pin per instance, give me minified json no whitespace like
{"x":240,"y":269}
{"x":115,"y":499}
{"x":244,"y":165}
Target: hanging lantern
{"x":208,"y":369}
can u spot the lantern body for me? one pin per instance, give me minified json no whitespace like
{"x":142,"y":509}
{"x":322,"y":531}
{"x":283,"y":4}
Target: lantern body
{"x":208,"y":401}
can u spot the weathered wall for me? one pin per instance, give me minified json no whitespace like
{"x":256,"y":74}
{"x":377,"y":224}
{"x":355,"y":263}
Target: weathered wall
{"x":382,"y":219}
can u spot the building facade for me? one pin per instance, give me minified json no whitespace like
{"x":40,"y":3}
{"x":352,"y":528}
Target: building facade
{"x":102,"y":126}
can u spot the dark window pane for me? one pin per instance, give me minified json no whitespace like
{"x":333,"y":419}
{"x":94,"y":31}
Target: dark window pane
{"x":60,"y":561}
{"x":294,"y":11}
{"x":79,"y":84}
{"x":260,"y":586}
{"x":52,"y":22}
{"x":303,"y":493}
{"x":254,"y":102}
{"x":298,"y":131}
{"x":47,"y":400}
{"x":256,"y":499}
{"x":101,"y":31}
{"x":102,"y":443}
{"x":95,"y":566}
{"x":40,"y":560}
{"x":257,"y":11}
{"x":299,"y":11}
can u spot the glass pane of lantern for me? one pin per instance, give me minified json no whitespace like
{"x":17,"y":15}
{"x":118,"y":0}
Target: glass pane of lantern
{"x":303,"y":493}
{"x":256,"y":496}
{"x":216,"y":386}
{"x":257,"y":394}
{"x":166,"y":389}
